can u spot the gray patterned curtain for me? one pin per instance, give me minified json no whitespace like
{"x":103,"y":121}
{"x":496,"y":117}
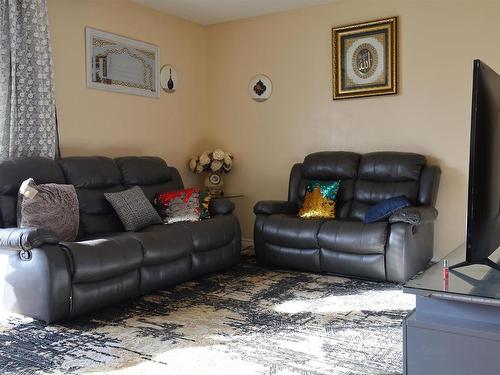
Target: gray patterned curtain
{"x":27,"y":105}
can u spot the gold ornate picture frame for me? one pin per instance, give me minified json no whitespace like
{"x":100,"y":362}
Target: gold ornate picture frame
{"x":365,"y":59}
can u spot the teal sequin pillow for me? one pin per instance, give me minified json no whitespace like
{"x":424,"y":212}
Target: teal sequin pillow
{"x":320,"y":199}
{"x":205,"y":198}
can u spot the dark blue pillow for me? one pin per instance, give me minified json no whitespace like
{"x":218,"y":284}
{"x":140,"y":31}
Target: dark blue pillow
{"x":384,"y":209}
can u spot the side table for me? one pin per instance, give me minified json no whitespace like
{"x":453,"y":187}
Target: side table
{"x":228,"y":196}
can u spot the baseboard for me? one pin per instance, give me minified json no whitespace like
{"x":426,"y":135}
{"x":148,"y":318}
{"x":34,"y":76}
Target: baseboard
{"x":246,"y":242}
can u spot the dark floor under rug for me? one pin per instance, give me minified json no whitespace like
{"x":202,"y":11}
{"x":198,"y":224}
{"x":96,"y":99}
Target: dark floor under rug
{"x":247,"y":320}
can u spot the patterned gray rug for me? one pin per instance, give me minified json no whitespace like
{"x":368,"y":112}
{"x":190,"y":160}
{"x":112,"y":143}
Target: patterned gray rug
{"x":248,"y":320}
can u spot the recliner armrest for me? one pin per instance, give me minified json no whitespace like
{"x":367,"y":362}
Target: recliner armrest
{"x":414,"y":215}
{"x":23,"y":239}
{"x":220,"y":206}
{"x":275,"y":207}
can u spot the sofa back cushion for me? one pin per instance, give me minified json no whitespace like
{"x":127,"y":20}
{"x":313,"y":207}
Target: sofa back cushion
{"x":384,"y":175}
{"x":13,"y":172}
{"x":327,"y":166}
{"x":92,"y":177}
{"x":152,"y":174}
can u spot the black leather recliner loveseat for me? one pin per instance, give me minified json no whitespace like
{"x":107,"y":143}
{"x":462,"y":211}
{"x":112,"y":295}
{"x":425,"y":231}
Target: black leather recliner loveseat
{"x":393,"y":249}
{"x":48,"y":280}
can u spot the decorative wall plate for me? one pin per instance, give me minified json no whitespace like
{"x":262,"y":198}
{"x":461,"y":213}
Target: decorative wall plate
{"x":168,"y":78}
{"x":260,"y":88}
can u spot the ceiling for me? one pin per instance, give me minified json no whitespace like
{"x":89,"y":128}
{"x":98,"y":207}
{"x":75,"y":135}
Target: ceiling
{"x":208,"y":12}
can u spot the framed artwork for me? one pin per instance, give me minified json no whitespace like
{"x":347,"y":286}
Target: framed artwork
{"x":119,"y":64}
{"x":365,"y":59}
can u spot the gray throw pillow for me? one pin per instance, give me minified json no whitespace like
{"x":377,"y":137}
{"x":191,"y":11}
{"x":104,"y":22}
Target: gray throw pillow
{"x":49,"y":206}
{"x":133,"y":208}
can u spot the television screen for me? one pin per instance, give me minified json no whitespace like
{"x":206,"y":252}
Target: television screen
{"x":483,"y":216}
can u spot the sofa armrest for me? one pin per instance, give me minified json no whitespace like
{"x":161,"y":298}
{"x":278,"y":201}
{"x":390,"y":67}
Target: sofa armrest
{"x":414,"y":215}
{"x":275,"y":207}
{"x":23,"y":239}
{"x":220,"y":206}
{"x":409,"y":249}
{"x":36,"y":284}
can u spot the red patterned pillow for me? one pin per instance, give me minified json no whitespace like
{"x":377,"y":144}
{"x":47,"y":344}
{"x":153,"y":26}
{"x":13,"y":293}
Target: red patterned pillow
{"x":179,"y":205}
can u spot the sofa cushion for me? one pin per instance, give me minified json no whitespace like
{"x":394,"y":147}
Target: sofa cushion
{"x":211,"y":233}
{"x":330,"y":165}
{"x":164,"y":243}
{"x":152,"y":174}
{"x":90,"y":296}
{"x":372,"y":192}
{"x":291,"y":231}
{"x":14,"y":171}
{"x":371,"y":266}
{"x":91,"y":172}
{"x":96,"y":224}
{"x":385,"y":175}
{"x":105,"y":258}
{"x":291,"y":257}
{"x":93,"y":202}
{"x":353,"y":237}
{"x":92,"y":177}
{"x":391,"y":166}
{"x":133,"y":208}
{"x":143,"y":170}
{"x":205,"y":262}
{"x":161,"y":275}
{"x":96,"y":214}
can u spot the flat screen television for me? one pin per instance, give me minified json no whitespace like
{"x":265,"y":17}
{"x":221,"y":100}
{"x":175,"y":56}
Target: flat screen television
{"x":483,"y":211}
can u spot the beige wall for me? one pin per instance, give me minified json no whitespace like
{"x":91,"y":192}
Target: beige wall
{"x":431,"y":115}
{"x":98,"y":122}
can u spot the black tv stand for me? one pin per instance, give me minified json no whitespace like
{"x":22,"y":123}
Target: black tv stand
{"x":487,"y":262}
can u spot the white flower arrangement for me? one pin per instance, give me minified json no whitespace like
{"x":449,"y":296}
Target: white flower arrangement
{"x":217,"y":161}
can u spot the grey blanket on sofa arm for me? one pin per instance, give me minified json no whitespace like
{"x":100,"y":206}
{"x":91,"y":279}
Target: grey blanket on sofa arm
{"x":414,"y":215}
{"x":25,"y":238}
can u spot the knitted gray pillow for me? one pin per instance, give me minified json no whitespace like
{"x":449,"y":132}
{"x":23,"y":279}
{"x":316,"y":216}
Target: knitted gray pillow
{"x":133,"y":208}
{"x":49,"y":206}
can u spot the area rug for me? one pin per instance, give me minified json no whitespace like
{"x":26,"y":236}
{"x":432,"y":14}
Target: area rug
{"x":247,"y":320}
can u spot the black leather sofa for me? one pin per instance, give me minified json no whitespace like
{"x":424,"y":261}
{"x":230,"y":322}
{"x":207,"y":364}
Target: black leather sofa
{"x":48,"y":280}
{"x":393,"y":249}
